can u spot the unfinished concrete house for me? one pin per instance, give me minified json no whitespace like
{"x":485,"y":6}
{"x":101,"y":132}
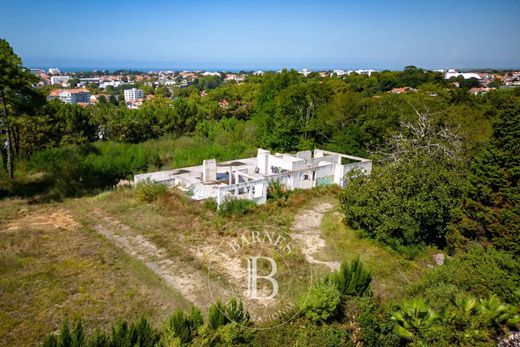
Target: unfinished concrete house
{"x":249,"y":178}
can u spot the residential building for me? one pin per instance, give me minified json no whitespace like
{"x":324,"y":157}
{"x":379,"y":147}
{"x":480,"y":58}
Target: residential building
{"x":133,"y":94}
{"x":466,"y":75}
{"x":71,"y":96}
{"x":305,"y":72}
{"x":402,"y":90}
{"x":112,"y":83}
{"x":481,"y":90}
{"x":59,"y":79}
{"x":54,"y":71}
{"x":249,"y":178}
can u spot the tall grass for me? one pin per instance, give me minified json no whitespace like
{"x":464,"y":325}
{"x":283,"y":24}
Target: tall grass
{"x":78,"y":169}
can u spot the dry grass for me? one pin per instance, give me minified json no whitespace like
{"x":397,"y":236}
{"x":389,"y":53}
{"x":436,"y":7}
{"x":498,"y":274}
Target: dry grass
{"x":53,"y":262}
{"x":49,"y":269}
{"x":390,"y":271}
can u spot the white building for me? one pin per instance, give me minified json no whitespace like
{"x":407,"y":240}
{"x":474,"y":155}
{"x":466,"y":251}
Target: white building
{"x":133,"y":94}
{"x":466,"y":75}
{"x":249,"y":178}
{"x":209,"y":73}
{"x":59,"y":79}
{"x":71,"y":96}
{"x":368,"y":72}
{"x":305,"y":72}
{"x":54,"y":71}
{"x":112,"y":83}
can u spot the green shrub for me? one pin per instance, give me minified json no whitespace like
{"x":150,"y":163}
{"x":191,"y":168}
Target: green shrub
{"x":303,"y":332}
{"x":351,"y":279}
{"x":377,"y":329}
{"x":408,"y":200}
{"x":216,"y":316}
{"x":149,"y":191}
{"x":139,"y":333}
{"x":236,"y":206}
{"x":277,"y":191}
{"x":414,"y":320}
{"x":321,"y":303}
{"x":211,"y":204}
{"x":235,"y":312}
{"x":183,"y":326}
{"x":478,"y":272}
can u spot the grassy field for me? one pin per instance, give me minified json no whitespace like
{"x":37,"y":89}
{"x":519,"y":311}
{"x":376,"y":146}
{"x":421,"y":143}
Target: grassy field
{"x":54,"y":262}
{"x":391,"y":272}
{"x":52,"y":266}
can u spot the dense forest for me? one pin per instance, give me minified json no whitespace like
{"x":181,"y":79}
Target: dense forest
{"x":446,"y":175}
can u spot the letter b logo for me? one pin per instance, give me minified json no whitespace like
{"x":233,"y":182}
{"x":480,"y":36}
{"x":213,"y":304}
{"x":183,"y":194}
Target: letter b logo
{"x":252,"y":277}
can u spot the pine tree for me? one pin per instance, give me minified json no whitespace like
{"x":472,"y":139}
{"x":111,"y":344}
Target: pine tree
{"x":490,"y":212}
{"x":351,"y":279}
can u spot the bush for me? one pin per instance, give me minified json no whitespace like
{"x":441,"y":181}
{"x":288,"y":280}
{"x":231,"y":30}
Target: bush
{"x":149,"y":191}
{"x":321,"y":303}
{"x":236,"y":206}
{"x":139,"y":333}
{"x":277,"y":191}
{"x":408,"y":200}
{"x":211,"y":204}
{"x":376,"y":327}
{"x":183,"y":327}
{"x":351,"y":279}
{"x":478,"y":272}
{"x":216,"y":316}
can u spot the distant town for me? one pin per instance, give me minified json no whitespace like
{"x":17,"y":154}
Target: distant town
{"x":132,"y":88}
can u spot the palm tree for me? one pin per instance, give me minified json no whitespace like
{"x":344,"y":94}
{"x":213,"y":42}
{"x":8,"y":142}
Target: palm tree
{"x":413,"y":319}
{"x":496,"y":313}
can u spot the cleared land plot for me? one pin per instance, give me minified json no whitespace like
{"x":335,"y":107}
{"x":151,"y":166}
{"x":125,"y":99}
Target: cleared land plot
{"x":112,"y":256}
{"x":52,"y":266}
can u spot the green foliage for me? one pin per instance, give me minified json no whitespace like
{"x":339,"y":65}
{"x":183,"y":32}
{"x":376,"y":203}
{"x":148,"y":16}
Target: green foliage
{"x":236,"y":206}
{"x":304,"y":333}
{"x":139,"y":333}
{"x":235,"y":312}
{"x":150,"y":191}
{"x":64,"y":338}
{"x":216,"y":315}
{"x":182,"y":326}
{"x":351,"y":279}
{"x":408,"y":200}
{"x":491,"y":211}
{"x":377,"y":329}
{"x":211,"y":204}
{"x":478,"y":271}
{"x":414,"y":320}
{"x":277,"y":191}
{"x":321,"y":302}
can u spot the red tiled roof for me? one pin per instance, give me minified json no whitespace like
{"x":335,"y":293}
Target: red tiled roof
{"x":57,"y":92}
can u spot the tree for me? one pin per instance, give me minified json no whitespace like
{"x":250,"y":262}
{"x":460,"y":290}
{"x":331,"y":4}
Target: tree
{"x":409,"y":196}
{"x":490,"y":212}
{"x":14,"y":82}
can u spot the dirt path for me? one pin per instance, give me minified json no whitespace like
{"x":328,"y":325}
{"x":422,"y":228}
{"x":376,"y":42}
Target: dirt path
{"x":182,"y":276}
{"x":306,"y":230}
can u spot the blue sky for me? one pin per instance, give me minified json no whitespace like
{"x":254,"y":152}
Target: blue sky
{"x":264,"y":33}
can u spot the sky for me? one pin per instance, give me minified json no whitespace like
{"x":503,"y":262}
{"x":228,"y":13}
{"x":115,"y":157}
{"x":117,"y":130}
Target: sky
{"x":264,"y":34}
